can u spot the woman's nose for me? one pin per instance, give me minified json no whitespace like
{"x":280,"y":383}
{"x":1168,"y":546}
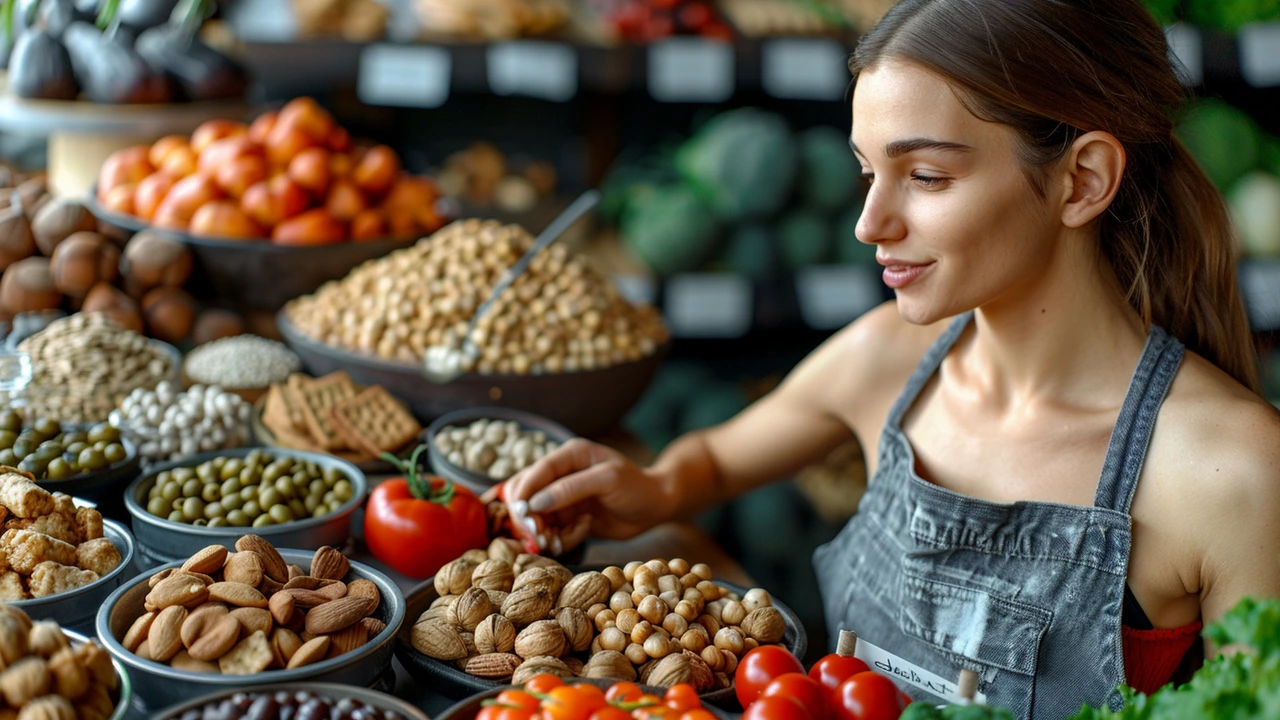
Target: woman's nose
{"x":881,"y":220}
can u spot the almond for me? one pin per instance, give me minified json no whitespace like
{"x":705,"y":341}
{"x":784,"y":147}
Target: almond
{"x":347,"y":640}
{"x":217,"y":640}
{"x":272,"y":563}
{"x":282,"y":606}
{"x":306,"y":599}
{"x":312,"y":651}
{"x":243,"y":567}
{"x":238,"y":594}
{"x":332,"y":589}
{"x":339,"y":614}
{"x":268,"y":586}
{"x":364,"y":588}
{"x":178,"y":590}
{"x":200,"y":620}
{"x":373,"y":625}
{"x":206,"y":579}
{"x":155,"y":579}
{"x":184,"y":661}
{"x":207,"y":561}
{"x":493,"y":666}
{"x":164,"y":641}
{"x":284,"y":643}
{"x":252,"y":655}
{"x":138,"y":631}
{"x":253,"y":619}
{"x":329,"y":564}
{"x":294,"y":571}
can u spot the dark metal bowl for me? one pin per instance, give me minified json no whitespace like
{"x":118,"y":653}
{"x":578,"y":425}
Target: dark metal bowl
{"x":475,"y":481}
{"x":449,"y":681}
{"x":101,"y":486}
{"x":468,"y":709}
{"x":381,"y":701}
{"x":588,"y":402}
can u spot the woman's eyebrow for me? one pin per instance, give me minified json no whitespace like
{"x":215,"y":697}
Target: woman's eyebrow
{"x":898,"y":148}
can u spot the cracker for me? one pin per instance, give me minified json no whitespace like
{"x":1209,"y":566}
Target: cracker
{"x":276,"y":415}
{"x":375,"y":421}
{"x":316,"y":398}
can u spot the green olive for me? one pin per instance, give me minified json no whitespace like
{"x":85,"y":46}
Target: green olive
{"x":59,"y":469}
{"x":24,"y":446}
{"x":92,"y":459}
{"x":74,"y":437}
{"x":100,"y":445}
{"x":218,"y":462}
{"x":157,"y":506}
{"x":209,"y":492}
{"x":231,"y":487}
{"x":343,"y":491}
{"x":263,"y":521}
{"x":332,"y":475}
{"x":115,"y":453}
{"x":7,"y":438}
{"x":207,"y":473}
{"x":320,"y":511}
{"x":248,"y":476}
{"x":330,"y":497}
{"x":177,"y":504}
{"x":252,"y":509}
{"x":284,"y":486}
{"x":299,"y":508}
{"x":163,"y":477}
{"x":302,"y":476}
{"x":191,"y":488}
{"x":231,"y":468}
{"x":237,"y":518}
{"x":213,"y":510}
{"x":8,"y":458}
{"x":47,"y":427}
{"x":233,"y":501}
{"x":104,"y":432}
{"x":218,"y":522}
{"x":270,"y":473}
{"x":171,"y":491}
{"x":193,"y":507}
{"x":312,"y":469}
{"x":11,"y":420}
{"x":199,"y":522}
{"x":281,"y":513}
{"x":268,"y":497}
{"x":77,"y":447}
{"x":316,"y":487}
{"x":311,"y":503}
{"x":176,"y":516}
{"x":34,"y":465}
{"x":183,"y":474}
{"x":334,"y":506}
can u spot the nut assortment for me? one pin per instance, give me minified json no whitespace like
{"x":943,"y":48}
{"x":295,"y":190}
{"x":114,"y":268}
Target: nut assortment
{"x":493,"y":448}
{"x":48,"y":452}
{"x":45,"y":678}
{"x":660,"y":623}
{"x":242,"y":361}
{"x":84,"y":365}
{"x":303,"y":705}
{"x":335,"y":415}
{"x":246,"y":612}
{"x":167,"y":425}
{"x":560,"y":315}
{"x":49,"y":546}
{"x":257,"y":490}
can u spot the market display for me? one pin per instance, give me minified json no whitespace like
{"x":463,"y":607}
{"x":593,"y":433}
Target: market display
{"x":47,"y":678}
{"x":83,"y":366}
{"x":483,"y":176}
{"x":303,"y":705}
{"x":353,"y":20}
{"x":560,"y":315}
{"x":293,"y":176}
{"x":168,"y":425}
{"x":663,"y":623}
{"x":493,"y":448}
{"x":646,"y":21}
{"x":490,"y":20}
{"x":246,"y":612}
{"x":242,"y":362}
{"x":45,"y":450}
{"x":259,"y":490}
{"x":767,"y":18}
{"x":49,"y":546}
{"x":335,"y":415}
{"x":550,"y":696}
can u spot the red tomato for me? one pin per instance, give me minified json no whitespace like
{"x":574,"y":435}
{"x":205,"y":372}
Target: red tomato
{"x":834,"y":669}
{"x":418,"y":523}
{"x":518,"y":698}
{"x":682,"y":697}
{"x":699,"y":714}
{"x":804,"y":690}
{"x":609,"y":712}
{"x":543,"y":684}
{"x":869,"y":696}
{"x":759,"y":667}
{"x":623,"y":692}
{"x":775,"y":708}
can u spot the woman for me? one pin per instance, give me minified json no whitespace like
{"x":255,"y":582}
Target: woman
{"x":1060,"y":493}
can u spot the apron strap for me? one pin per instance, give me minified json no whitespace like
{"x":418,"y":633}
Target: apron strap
{"x":929,"y":364}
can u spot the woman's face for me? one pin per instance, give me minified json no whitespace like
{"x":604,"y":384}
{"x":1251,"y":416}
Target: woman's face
{"x":955,"y":221}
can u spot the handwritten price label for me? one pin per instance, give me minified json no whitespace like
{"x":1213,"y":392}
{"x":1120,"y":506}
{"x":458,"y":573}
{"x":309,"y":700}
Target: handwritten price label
{"x":538,"y":69}
{"x":691,"y":70}
{"x":804,"y":69}
{"x":404,"y":75}
{"x":709,"y":305}
{"x":895,"y":667}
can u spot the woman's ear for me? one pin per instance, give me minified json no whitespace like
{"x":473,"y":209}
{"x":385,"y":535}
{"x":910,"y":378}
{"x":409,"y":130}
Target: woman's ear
{"x":1094,"y":168}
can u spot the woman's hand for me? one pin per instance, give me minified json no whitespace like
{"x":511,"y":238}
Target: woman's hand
{"x":582,"y":477}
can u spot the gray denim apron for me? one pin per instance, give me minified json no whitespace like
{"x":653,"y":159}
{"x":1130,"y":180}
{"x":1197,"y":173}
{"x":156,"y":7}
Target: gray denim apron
{"x":1028,"y":595}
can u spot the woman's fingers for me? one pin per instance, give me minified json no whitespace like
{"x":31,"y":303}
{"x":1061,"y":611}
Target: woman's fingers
{"x":575,"y":455}
{"x":572,"y":489}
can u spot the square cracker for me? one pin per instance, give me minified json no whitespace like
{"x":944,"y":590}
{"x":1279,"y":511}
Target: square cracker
{"x":315,"y":400}
{"x":375,"y":421}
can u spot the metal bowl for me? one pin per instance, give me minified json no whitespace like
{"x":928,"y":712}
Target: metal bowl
{"x":589,"y":402}
{"x":124,"y":693}
{"x":474,"y":481}
{"x":468,"y":709}
{"x":159,"y":685}
{"x":77,"y":609}
{"x":449,"y":681}
{"x":161,"y":540}
{"x":381,"y":701}
{"x":103,"y":485}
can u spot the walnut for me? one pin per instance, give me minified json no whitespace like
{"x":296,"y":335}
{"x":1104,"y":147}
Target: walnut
{"x":493,"y":575}
{"x":684,"y":667}
{"x":25,"y":680}
{"x":609,"y":665}
{"x":49,"y":707}
{"x":455,"y":577}
{"x":577,"y":628}
{"x":471,"y":607}
{"x":764,"y":624}
{"x":536,"y":666}
{"x":587,"y":589}
{"x":495,"y":634}
{"x":70,"y":676}
{"x":438,"y":640}
{"x":542,"y":638}
{"x":546,"y":577}
{"x":527,"y":605}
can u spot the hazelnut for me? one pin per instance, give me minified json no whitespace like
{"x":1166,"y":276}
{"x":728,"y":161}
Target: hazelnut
{"x":730,"y":640}
{"x":678,"y":566}
{"x":620,"y":601}
{"x":627,"y":620}
{"x":652,"y":609}
{"x":701,"y":570}
{"x":614,"y":639}
{"x":757,"y":598}
{"x":733,"y":613}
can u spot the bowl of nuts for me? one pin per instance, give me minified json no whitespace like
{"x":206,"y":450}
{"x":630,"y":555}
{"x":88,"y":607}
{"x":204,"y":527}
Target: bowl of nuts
{"x":231,"y":620}
{"x":300,"y":700}
{"x":291,"y":497}
{"x":478,"y":625}
{"x":479,"y":447}
{"x":59,"y":673}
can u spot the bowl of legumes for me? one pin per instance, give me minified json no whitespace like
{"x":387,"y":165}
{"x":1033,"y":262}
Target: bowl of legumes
{"x":246,"y":365}
{"x":480,"y":447}
{"x":293,"y":498}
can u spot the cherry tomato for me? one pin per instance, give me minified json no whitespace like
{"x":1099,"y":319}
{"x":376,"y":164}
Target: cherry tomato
{"x":775,"y":708}
{"x":518,"y":698}
{"x":647,"y":699}
{"x":698,"y":714}
{"x":804,"y":690}
{"x":609,"y":712}
{"x":623,"y":692}
{"x":543,"y":684}
{"x":682,"y":697}
{"x":834,"y":669}
{"x":654,"y":712}
{"x":572,"y":703}
{"x":759,"y":667}
{"x":499,"y":712}
{"x":869,"y":696}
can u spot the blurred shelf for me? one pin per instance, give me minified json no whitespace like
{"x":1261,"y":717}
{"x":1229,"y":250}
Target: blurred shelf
{"x":1260,"y":285}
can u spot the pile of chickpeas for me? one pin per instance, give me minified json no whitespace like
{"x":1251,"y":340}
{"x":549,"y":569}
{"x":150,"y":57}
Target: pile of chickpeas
{"x":257,"y":490}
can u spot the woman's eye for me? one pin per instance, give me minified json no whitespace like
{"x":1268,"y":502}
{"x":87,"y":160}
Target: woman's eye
{"x":929,"y":182}
{"x":868,"y":178}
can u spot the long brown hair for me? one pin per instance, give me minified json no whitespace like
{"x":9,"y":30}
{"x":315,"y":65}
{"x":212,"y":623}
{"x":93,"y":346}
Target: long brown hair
{"x":1054,"y":69}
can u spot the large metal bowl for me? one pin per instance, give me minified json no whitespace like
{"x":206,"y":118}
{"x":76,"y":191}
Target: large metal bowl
{"x":124,"y":693}
{"x":382,"y":701}
{"x":469,"y":708}
{"x":161,"y":540}
{"x":449,"y":681}
{"x":78,"y":609}
{"x":589,"y":402}
{"x":158,"y":685}
{"x":474,"y":481}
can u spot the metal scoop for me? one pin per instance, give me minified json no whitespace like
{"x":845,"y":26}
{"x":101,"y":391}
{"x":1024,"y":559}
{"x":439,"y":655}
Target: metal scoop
{"x":441,"y":363}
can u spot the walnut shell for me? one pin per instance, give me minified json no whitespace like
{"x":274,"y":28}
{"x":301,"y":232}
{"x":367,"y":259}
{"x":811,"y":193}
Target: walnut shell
{"x":16,"y":241}
{"x":542,"y":638}
{"x":170,"y":313}
{"x":609,"y":665}
{"x":584,"y":590}
{"x":536,"y":666}
{"x":438,"y":640}
{"x":495,"y":634}
{"x":546,"y":577}
{"x":455,"y":577}
{"x":684,"y":667}
{"x":578,"y":630}
{"x":471,"y":607}
{"x":493,"y":575}
{"x":504,"y":549}
{"x":528,"y":605}
{"x":525,"y":561}
{"x":765,"y":625}
{"x":115,"y":304}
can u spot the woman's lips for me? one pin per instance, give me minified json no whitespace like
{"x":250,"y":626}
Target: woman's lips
{"x":899,"y":275}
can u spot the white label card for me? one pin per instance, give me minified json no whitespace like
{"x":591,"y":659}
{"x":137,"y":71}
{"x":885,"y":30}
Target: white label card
{"x":1187,"y":45}
{"x":886,"y":663}
{"x":832,"y":296}
{"x":1260,"y":54}
{"x":804,"y":69}
{"x":637,"y":289}
{"x":537,"y":69}
{"x":711,"y":305}
{"x":265,"y":21}
{"x":1260,"y":283}
{"x":691,"y":70}
{"x":404,"y":75}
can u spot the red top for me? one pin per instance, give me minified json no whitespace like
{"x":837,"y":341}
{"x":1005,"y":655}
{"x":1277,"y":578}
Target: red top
{"x":1152,"y":656}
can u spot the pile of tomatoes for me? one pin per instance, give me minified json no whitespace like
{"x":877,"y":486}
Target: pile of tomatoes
{"x":546,"y":697}
{"x":772,"y":685}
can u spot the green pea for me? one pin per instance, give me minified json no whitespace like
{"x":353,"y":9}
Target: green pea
{"x":284,"y":486}
{"x":237,"y":518}
{"x":252,"y":509}
{"x":299,"y":509}
{"x":210,"y":492}
{"x":231,"y":487}
{"x":191,"y":488}
{"x":171,"y":491}
{"x":176,"y":516}
{"x":218,"y":522}
{"x":311,"y":502}
{"x":115,"y":453}
{"x":268,"y":497}
{"x":59,"y":469}
{"x":281,"y":513}
{"x":213,"y":510}
{"x":263,"y":521}
{"x":7,"y":438}
{"x":192,"y":508}
{"x":343,"y":490}
{"x":233,"y":501}
{"x":157,"y":506}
